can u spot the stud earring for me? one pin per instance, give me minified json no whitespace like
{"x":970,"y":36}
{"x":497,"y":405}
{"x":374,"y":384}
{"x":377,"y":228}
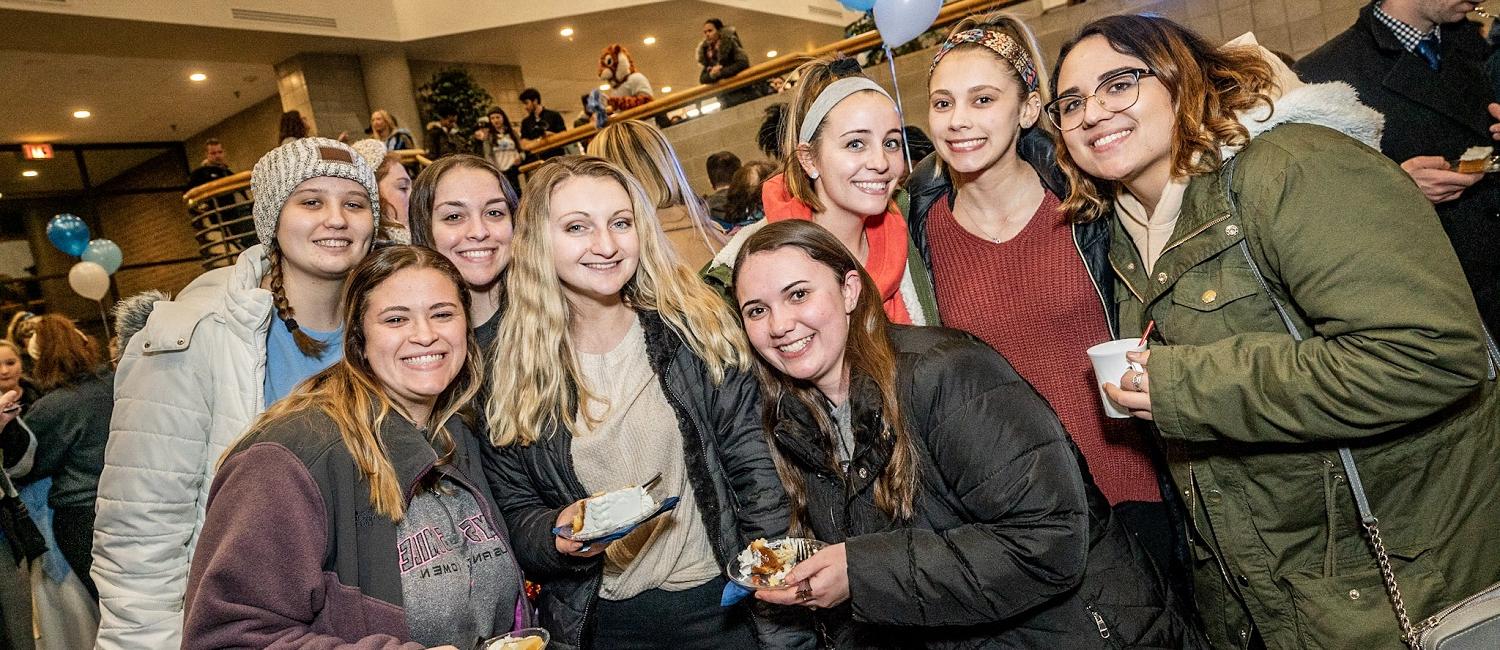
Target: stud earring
{"x":813,"y":174}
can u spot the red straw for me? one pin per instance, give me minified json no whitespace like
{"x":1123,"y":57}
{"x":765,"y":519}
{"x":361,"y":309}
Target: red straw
{"x":1149,"y":326}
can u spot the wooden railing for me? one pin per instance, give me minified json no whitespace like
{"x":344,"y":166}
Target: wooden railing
{"x":221,"y":213}
{"x":221,"y":210}
{"x":950,"y":14}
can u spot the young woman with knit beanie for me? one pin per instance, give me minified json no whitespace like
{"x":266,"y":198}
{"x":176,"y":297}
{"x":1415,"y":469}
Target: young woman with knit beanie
{"x":1008,"y":265}
{"x":204,"y":365}
{"x":844,"y":157}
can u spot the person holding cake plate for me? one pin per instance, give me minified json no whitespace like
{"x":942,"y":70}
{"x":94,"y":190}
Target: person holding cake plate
{"x":627,"y":378}
{"x":958,"y":511}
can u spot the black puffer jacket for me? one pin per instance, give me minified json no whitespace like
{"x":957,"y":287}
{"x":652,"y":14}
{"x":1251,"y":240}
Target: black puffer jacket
{"x":1011,"y":546}
{"x":929,"y":183}
{"x":729,"y":466}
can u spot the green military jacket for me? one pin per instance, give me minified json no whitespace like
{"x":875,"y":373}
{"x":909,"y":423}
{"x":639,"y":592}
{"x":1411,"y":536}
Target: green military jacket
{"x":1394,"y":364}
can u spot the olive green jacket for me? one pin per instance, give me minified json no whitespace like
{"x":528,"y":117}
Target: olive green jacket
{"x":1394,"y":364}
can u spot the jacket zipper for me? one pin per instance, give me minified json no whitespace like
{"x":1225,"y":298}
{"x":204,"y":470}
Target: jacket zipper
{"x":1098,"y":622}
{"x":676,"y":402}
{"x":1193,"y":234}
{"x":1108,"y":321}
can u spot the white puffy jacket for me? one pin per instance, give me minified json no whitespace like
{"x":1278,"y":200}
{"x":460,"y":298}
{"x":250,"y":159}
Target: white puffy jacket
{"x":188,"y":385}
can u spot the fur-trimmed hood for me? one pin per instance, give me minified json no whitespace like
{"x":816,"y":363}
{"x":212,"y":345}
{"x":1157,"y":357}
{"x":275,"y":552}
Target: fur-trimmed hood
{"x":132,"y":312}
{"x":1334,"y":105}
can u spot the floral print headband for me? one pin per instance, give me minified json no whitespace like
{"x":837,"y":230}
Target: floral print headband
{"x":997,"y":41}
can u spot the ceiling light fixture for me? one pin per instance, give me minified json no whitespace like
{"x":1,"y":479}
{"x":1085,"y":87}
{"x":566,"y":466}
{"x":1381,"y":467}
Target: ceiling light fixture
{"x":649,"y":40}
{"x":30,"y":173}
{"x":666,"y":89}
{"x":197,"y":76}
{"x":603,"y":86}
{"x":771,"y":54}
{"x":81,"y":114}
{"x":566,"y":32}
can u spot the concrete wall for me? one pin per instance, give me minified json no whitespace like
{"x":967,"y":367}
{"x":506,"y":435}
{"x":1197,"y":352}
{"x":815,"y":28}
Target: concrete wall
{"x":246,"y":135}
{"x":150,"y":227}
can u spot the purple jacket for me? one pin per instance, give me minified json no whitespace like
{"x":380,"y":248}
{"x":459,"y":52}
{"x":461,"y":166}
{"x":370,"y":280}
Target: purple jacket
{"x":293,"y":554}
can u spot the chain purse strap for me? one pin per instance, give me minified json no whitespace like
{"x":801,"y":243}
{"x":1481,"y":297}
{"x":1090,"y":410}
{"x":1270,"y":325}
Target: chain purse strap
{"x":1362,"y":502}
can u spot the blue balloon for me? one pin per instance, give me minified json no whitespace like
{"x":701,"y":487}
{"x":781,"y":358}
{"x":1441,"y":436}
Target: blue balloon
{"x":104,"y":253}
{"x":68,"y":233}
{"x":899,"y":21}
{"x":858,"y":5}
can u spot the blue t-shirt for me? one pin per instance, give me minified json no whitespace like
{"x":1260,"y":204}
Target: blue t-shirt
{"x":286,"y":366}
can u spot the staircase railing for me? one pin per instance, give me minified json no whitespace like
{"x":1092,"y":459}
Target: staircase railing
{"x":221,"y":210}
{"x":221,"y":213}
{"x":950,"y":14}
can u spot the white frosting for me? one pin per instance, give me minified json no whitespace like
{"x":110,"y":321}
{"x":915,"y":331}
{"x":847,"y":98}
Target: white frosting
{"x":609,"y":511}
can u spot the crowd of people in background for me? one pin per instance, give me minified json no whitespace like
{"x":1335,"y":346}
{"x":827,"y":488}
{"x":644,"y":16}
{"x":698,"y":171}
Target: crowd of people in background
{"x":374,"y":428}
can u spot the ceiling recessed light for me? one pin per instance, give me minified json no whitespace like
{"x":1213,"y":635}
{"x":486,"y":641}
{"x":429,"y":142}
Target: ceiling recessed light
{"x":666,"y":89}
{"x":649,"y":40}
{"x":771,"y":54}
{"x":197,"y":76}
{"x":566,"y":32}
{"x":603,"y":86}
{"x":81,"y":114}
{"x":30,"y":173}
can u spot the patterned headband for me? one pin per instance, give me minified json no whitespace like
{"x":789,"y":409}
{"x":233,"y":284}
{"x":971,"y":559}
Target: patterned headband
{"x":997,"y":41}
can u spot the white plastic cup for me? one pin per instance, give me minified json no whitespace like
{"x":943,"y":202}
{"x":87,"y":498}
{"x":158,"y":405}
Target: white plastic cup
{"x":1110,"y":365}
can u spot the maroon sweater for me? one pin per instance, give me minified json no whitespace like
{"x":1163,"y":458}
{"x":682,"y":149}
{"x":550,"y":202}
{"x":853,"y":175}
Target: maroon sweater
{"x":1031,"y":299}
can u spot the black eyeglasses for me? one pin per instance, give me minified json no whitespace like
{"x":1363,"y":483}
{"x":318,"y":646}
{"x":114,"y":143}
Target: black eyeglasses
{"x":1114,"y":94}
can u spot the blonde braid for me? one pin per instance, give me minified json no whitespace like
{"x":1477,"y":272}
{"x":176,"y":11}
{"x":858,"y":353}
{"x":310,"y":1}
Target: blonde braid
{"x":308,"y":345}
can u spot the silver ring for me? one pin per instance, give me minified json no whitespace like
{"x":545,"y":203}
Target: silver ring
{"x":804,"y":592}
{"x":1135,"y":382}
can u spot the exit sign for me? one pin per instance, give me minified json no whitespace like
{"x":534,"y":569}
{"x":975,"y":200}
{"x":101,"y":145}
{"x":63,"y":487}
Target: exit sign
{"x":36,"y":151}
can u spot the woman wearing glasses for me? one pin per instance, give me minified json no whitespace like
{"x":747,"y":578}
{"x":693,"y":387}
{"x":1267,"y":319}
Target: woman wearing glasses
{"x":1007,"y":264}
{"x":1305,"y":299}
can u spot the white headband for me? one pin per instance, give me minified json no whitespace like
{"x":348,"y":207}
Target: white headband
{"x":830,"y":97}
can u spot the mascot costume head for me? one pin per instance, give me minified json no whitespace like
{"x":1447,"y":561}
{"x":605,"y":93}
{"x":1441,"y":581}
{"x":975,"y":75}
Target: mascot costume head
{"x":628,"y":88}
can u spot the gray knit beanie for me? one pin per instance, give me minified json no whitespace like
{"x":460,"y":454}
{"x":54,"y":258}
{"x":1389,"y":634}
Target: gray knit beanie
{"x":279,"y":172}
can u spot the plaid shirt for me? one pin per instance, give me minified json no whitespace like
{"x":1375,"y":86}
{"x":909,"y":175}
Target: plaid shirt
{"x":1404,"y":32}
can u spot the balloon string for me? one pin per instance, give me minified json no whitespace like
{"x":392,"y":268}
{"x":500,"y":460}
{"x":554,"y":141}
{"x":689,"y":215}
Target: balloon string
{"x":104,"y":318}
{"x":900,"y":110}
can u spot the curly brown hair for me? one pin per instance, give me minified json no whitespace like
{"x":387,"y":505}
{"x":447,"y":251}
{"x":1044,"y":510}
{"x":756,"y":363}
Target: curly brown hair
{"x":1209,"y":86}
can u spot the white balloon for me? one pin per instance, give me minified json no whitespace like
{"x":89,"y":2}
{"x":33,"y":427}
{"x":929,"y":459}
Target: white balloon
{"x":89,"y":280}
{"x":899,"y":21}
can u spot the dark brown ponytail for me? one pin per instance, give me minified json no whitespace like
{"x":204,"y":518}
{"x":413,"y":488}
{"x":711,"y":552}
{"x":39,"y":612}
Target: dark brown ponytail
{"x":308,"y":345}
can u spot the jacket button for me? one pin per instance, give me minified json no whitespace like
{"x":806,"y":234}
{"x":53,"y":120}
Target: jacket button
{"x":1130,"y":266}
{"x":1353,"y":594}
{"x":146,"y":346}
{"x":182,"y":341}
{"x":1231,"y":230}
{"x":1210,"y":296}
{"x":863,"y":472}
{"x":1161,"y":277}
{"x":1244,"y":581}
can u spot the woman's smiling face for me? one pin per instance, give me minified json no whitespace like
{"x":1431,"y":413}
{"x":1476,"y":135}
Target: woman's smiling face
{"x":1124,"y":145}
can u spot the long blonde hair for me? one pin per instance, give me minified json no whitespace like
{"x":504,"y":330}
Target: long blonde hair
{"x":645,"y":153}
{"x":351,"y":395}
{"x":537,"y":382}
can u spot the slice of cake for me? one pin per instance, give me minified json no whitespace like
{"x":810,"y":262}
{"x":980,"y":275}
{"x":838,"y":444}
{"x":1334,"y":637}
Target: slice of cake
{"x":608,"y":511}
{"x":1475,"y":160}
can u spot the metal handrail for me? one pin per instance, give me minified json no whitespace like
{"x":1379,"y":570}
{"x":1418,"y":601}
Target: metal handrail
{"x":951,"y":13}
